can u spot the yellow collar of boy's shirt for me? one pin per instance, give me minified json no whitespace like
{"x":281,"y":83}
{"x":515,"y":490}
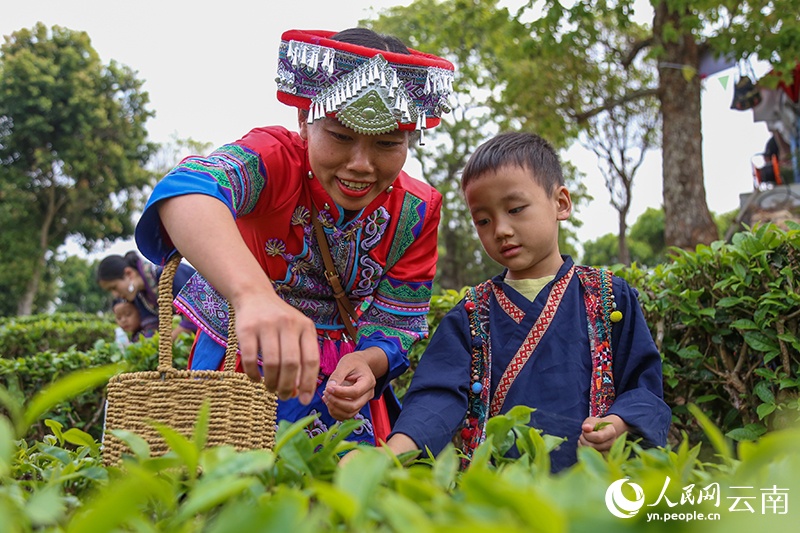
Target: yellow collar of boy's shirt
{"x":529,"y":288}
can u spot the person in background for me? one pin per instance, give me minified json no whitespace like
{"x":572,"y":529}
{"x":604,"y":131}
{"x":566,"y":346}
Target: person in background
{"x":128,"y":319}
{"x":136,"y":281}
{"x":245,"y":217}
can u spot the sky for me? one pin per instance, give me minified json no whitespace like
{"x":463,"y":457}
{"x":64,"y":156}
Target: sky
{"x":209,"y":69}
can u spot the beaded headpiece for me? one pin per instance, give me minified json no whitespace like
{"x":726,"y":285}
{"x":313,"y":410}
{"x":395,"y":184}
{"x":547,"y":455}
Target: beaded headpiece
{"x":368,"y":90}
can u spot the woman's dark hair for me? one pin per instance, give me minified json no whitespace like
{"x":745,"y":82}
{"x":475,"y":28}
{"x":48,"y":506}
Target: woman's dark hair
{"x":113,"y":266}
{"x":525,"y":150}
{"x":370,"y":39}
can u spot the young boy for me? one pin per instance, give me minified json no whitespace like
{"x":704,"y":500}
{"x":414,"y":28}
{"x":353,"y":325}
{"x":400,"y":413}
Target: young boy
{"x":569,"y":341}
{"x":128,"y":318}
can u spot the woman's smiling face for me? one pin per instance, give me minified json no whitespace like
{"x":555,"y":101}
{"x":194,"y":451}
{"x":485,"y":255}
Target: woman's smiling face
{"x":353,"y":168}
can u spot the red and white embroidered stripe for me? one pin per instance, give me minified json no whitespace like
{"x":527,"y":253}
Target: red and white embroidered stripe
{"x":531,"y":342}
{"x":511,"y":309}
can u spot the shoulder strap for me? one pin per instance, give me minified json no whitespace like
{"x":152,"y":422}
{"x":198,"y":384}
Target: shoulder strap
{"x":346,"y":310}
{"x":599,"y":300}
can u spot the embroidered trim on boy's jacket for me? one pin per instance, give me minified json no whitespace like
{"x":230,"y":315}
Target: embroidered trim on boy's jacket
{"x":515,"y":313}
{"x":599,"y":300}
{"x":474,"y":431}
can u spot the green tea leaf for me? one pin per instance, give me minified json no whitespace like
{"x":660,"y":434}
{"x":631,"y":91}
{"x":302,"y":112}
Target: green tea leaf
{"x":601,"y":425}
{"x":446,"y":467}
{"x":119,"y":502}
{"x":287,"y":431}
{"x":729,"y":301}
{"x":741,"y":434}
{"x":201,"y":427}
{"x":55,"y":426}
{"x":81,"y":438}
{"x":137,"y":444}
{"x":13,"y":407}
{"x":706,"y":398}
{"x":339,"y":501}
{"x":762,"y":390}
{"x":45,"y":507}
{"x":362,"y":476}
{"x":760,"y":342}
{"x":180,"y":445}
{"x":7,"y":446}
{"x":207,"y":495}
{"x":765,"y":409}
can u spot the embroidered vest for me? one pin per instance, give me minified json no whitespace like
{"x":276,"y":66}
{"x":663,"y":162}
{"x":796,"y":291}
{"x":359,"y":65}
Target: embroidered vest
{"x":599,"y":302}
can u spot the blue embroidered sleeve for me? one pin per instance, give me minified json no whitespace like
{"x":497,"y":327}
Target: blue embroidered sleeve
{"x":233,"y":174}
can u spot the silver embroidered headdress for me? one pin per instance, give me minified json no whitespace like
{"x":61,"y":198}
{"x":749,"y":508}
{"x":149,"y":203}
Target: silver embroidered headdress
{"x":368,"y":90}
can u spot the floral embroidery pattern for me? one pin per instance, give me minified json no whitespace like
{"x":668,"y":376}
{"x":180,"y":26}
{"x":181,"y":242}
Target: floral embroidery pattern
{"x":301,"y":216}
{"x":316,"y":427}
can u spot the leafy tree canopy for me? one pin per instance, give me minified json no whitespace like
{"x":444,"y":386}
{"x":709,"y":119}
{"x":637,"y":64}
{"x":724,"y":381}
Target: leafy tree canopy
{"x":73,"y":145}
{"x":541,"y":68}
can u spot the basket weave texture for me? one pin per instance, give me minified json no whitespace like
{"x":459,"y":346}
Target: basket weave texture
{"x":242,"y":413}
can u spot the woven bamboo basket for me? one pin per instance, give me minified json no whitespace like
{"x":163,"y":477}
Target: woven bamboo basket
{"x":242,"y":412}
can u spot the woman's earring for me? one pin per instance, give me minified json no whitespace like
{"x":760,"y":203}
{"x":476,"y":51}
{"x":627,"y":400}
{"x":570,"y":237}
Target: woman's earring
{"x":130,"y":287}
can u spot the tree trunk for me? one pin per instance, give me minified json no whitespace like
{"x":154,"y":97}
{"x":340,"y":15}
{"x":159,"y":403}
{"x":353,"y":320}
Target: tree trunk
{"x":687,"y":220}
{"x":624,"y":253}
{"x":25,"y":305}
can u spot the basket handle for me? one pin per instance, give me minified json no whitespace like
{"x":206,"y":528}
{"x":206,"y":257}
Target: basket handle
{"x":165,"y":321}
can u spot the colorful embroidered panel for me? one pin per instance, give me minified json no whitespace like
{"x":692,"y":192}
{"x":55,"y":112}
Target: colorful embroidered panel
{"x":599,"y":299}
{"x":474,"y":431}
{"x":235,"y":168}
{"x":409,"y":225}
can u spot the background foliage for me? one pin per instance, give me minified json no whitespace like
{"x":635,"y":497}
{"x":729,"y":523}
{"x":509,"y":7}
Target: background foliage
{"x":28,"y":372}
{"x":726,"y":320}
{"x":73,"y":145}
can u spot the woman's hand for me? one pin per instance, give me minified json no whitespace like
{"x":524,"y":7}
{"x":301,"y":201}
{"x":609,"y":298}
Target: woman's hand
{"x":202,"y":229}
{"x":287,"y":340}
{"x":352,"y":384}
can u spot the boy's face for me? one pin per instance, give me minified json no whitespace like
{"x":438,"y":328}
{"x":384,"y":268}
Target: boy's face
{"x":517,"y":221}
{"x":352,"y":167}
{"x":127,"y":317}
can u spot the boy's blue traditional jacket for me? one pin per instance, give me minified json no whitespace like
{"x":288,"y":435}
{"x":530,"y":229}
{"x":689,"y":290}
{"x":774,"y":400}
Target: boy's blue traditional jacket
{"x":555,"y":380}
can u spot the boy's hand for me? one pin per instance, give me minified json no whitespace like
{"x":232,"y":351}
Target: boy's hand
{"x":602,"y":438}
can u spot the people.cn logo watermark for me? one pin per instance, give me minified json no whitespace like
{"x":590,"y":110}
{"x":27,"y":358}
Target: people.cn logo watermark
{"x":621,"y":506}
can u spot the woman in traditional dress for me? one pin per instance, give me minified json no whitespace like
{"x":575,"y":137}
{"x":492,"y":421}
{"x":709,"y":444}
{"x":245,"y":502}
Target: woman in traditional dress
{"x":245,"y":218}
{"x":136,"y":281}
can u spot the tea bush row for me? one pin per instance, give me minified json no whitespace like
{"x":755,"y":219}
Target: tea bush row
{"x":59,"y":485}
{"x":26,"y":376}
{"x":24,"y":336}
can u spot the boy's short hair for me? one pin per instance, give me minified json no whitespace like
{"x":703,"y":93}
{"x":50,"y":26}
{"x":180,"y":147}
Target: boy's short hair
{"x":525,"y":150}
